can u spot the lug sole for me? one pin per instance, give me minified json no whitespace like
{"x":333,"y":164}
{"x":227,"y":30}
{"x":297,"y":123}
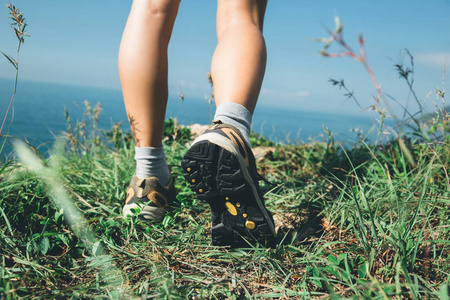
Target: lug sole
{"x":216,"y":176}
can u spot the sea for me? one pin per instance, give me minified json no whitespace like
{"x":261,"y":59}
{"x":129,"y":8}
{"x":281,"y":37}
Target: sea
{"x":38,"y":115}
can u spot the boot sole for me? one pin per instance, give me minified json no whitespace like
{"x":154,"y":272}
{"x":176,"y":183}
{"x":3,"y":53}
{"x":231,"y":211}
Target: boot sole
{"x":217,"y":173}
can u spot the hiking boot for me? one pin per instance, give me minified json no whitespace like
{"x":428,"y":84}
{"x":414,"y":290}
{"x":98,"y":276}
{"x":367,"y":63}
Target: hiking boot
{"x":148,"y":199}
{"x":221,"y":169}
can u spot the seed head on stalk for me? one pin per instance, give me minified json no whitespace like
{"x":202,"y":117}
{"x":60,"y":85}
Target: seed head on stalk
{"x":19,"y":27}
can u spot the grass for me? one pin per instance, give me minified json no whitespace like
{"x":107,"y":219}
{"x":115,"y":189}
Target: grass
{"x":357,"y":222}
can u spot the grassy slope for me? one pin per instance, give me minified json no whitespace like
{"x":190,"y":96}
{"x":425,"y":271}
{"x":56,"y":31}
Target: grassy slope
{"x":359,"y":222}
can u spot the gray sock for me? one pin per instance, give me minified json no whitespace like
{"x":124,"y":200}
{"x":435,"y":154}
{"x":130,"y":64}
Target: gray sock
{"x":151,"y":161}
{"x":236,"y":115}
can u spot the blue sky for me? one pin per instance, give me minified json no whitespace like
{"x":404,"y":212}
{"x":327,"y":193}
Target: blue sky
{"x":76,"y":42}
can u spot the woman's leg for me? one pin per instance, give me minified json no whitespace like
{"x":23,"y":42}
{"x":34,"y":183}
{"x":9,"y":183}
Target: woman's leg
{"x":143,"y":67}
{"x":220,"y":166}
{"x":239,"y":61}
{"x":143,"y":71}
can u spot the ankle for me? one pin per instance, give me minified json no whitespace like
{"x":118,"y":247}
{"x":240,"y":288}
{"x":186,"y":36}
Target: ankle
{"x":236,"y":115}
{"x":151,"y":161}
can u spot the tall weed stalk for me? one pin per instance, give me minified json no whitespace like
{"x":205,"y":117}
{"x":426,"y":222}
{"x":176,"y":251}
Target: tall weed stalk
{"x":19,"y":26}
{"x":381,"y":105}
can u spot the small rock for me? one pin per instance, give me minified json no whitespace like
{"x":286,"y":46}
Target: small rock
{"x":262,"y":153}
{"x":197,"y":130}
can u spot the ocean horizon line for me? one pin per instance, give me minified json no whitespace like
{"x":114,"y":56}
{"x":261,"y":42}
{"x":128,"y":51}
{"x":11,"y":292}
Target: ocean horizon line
{"x":173,"y":96}
{"x":39,"y":114}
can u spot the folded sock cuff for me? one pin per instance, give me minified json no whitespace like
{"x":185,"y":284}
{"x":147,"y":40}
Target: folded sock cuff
{"x":151,"y":161}
{"x":149,"y":152}
{"x":236,"y":112}
{"x":236,"y":115}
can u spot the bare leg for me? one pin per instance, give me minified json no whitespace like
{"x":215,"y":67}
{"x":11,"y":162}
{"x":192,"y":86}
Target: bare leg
{"x":143,"y":67}
{"x":143,"y":71}
{"x":239,"y":61}
{"x":220,"y":166}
